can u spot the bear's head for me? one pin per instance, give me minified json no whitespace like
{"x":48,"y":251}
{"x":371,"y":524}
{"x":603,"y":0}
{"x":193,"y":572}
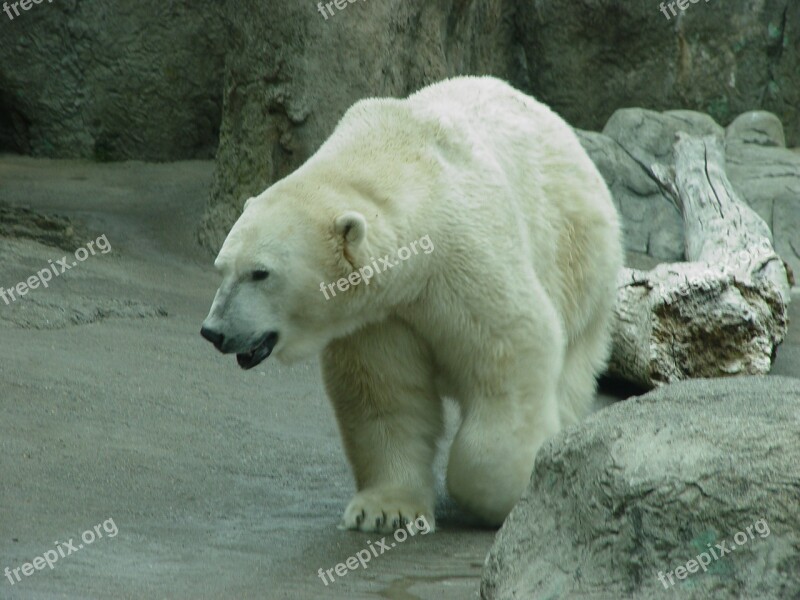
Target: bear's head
{"x":275,"y":262}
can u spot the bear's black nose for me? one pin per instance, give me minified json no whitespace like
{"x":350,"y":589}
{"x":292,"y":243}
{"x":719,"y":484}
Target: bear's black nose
{"x":212,"y":336}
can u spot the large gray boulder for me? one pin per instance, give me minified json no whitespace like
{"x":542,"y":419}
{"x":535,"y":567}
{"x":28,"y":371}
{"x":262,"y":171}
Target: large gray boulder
{"x":631,"y":495}
{"x":767,"y":175}
{"x":632,"y":140}
{"x":764,"y":173}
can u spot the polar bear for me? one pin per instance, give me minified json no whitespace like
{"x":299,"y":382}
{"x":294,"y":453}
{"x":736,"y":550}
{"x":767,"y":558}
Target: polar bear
{"x":509,"y":313}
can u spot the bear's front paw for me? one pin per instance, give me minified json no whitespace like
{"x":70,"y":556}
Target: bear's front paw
{"x":383,"y":510}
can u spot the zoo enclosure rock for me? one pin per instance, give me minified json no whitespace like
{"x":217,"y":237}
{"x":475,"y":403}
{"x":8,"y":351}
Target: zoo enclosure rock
{"x":111,"y":80}
{"x":587,"y":59}
{"x":764,"y":173}
{"x":647,"y":484}
{"x":286,"y":87}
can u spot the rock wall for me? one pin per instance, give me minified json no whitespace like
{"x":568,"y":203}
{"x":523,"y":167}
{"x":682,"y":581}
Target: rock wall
{"x":287,"y":87}
{"x":589,"y":58}
{"x":112,"y":80}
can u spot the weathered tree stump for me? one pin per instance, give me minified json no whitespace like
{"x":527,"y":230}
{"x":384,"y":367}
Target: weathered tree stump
{"x":722,"y":313}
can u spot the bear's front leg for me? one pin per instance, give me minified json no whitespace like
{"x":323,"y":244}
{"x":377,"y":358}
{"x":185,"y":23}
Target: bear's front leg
{"x":381,"y":383}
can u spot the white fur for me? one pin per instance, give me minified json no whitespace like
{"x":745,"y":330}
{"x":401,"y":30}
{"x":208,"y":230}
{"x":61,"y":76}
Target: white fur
{"x":509,"y":314}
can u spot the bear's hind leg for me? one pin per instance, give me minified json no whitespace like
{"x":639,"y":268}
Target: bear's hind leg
{"x":505,"y":420}
{"x":586,"y":359}
{"x":381,"y":383}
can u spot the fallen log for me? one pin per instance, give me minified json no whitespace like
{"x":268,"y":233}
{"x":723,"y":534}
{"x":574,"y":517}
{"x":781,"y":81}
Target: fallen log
{"x":722,"y":313}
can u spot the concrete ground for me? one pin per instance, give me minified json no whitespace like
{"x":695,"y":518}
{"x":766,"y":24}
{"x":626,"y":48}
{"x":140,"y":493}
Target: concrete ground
{"x":205,"y":481}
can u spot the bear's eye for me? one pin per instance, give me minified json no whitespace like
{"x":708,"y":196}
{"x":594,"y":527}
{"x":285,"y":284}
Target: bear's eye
{"x":260,"y":275}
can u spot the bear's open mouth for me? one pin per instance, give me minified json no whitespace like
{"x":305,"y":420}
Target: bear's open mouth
{"x":248,"y":360}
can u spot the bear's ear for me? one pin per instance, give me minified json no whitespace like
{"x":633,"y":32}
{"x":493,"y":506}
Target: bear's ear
{"x":351,"y":226}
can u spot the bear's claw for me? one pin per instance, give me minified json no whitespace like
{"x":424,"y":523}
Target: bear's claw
{"x":381,"y":511}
